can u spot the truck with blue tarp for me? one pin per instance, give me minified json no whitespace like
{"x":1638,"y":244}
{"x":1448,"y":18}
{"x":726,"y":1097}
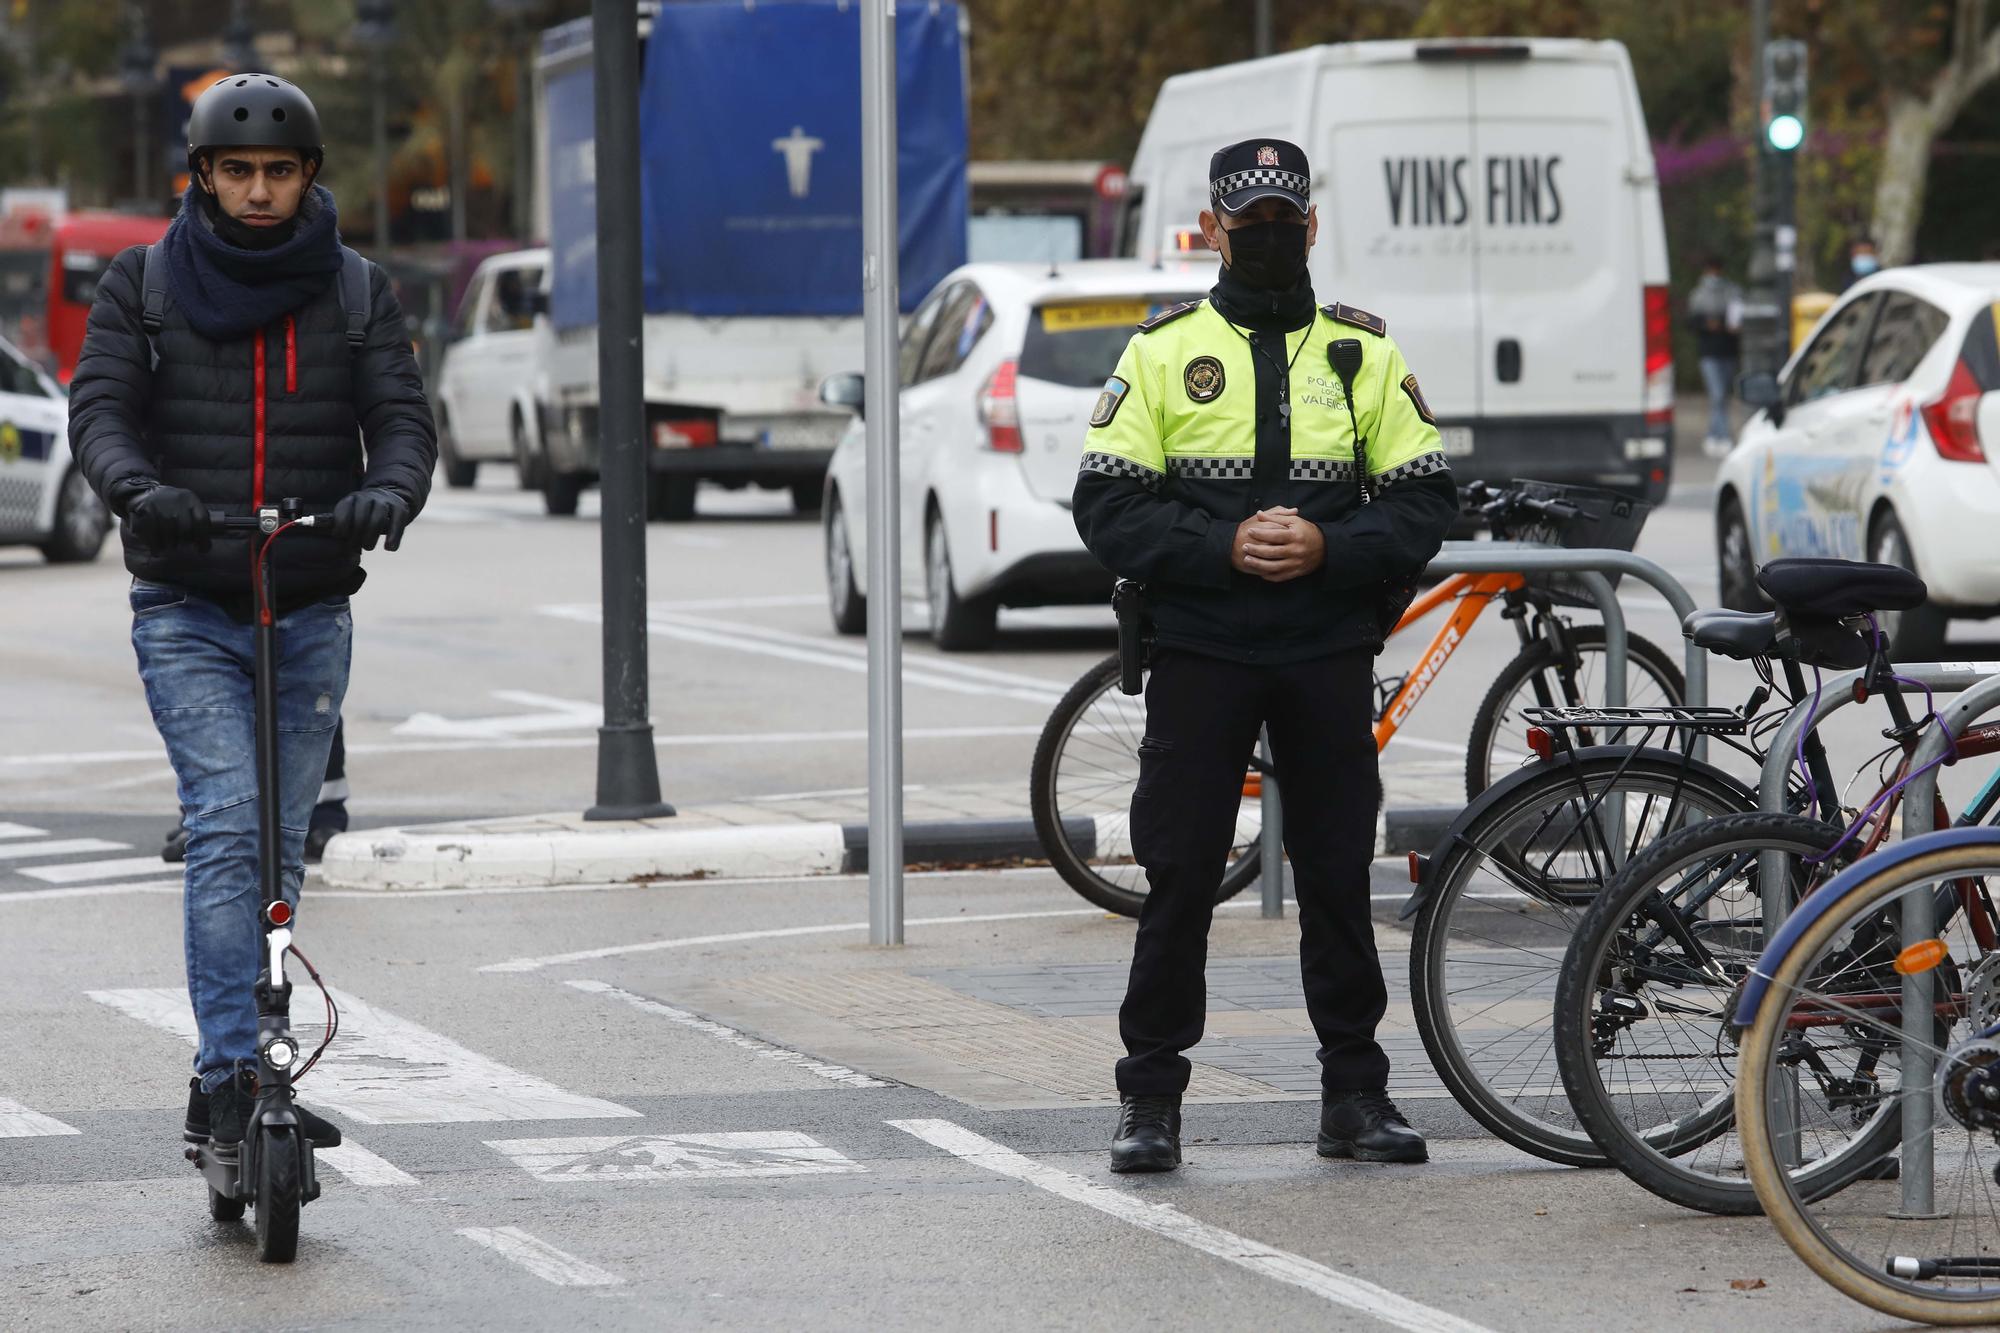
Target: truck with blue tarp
{"x":750,"y":164}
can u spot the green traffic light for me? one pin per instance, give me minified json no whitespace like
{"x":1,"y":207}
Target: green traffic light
{"x":1785,"y":132}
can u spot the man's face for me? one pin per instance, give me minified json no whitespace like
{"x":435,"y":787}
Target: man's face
{"x":259,"y":187}
{"x":1216,"y":225}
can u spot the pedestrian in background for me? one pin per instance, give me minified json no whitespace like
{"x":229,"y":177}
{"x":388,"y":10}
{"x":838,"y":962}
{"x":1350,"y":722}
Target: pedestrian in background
{"x":1861,"y":261}
{"x":1715,"y":313}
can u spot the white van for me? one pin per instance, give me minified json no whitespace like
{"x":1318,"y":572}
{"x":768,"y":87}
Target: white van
{"x":1495,"y":202}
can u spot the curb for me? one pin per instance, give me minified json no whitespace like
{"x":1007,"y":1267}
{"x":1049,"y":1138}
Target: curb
{"x":461,"y":856}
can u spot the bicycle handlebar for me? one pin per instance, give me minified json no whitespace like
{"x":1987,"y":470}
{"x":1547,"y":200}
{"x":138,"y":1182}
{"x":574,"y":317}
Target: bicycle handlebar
{"x":1497,"y":502}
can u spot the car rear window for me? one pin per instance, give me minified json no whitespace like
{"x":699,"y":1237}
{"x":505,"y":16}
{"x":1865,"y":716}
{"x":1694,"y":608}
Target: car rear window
{"x":1078,"y":343}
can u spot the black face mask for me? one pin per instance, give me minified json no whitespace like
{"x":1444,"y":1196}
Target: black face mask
{"x":1270,"y":255}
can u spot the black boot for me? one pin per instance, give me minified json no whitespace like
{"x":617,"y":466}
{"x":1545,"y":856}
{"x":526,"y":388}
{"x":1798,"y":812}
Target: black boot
{"x":328,"y":819}
{"x":176,"y":848}
{"x":1149,"y":1133}
{"x":201,"y":1116}
{"x":1367,"y":1127}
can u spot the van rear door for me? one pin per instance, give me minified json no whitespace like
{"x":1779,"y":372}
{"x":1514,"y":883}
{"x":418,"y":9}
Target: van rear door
{"x":1398,"y":190}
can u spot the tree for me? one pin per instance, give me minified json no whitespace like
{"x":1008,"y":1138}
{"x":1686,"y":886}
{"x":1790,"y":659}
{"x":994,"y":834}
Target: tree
{"x":1915,"y":113}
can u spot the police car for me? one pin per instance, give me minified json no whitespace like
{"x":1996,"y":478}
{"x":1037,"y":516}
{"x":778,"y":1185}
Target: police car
{"x":1000,"y":367}
{"x":44,"y":500}
{"x":1880,"y":440}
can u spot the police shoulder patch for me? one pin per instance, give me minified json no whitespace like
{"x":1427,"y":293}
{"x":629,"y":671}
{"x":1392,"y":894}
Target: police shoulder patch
{"x":1108,"y":401}
{"x":1417,"y":399}
{"x":1202,"y":379}
{"x":1359,"y":318}
{"x":1167,"y":316}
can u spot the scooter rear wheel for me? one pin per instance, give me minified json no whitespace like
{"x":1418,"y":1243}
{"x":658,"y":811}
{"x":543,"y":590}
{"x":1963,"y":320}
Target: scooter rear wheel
{"x":222,"y":1208}
{"x":278,"y":1197}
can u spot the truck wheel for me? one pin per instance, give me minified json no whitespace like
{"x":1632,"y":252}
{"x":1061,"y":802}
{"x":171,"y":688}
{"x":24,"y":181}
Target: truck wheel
{"x":81,"y":522}
{"x":958,"y":624}
{"x":670,"y":499}
{"x":560,"y":490}
{"x":528,"y":465}
{"x":458,"y":474}
{"x":1914,"y":636}
{"x":843,"y":599}
{"x":808,"y":496}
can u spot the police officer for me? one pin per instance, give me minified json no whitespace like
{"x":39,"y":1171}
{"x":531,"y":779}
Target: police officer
{"x":1269,"y":468}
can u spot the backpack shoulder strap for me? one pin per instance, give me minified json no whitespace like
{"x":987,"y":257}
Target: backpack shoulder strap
{"x":354,"y":296}
{"x":153,"y":284}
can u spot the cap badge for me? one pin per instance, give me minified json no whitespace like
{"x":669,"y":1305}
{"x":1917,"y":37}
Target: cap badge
{"x":1267,"y":156}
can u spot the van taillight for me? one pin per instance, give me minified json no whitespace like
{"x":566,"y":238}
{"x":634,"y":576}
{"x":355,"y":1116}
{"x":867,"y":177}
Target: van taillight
{"x":997,"y":410}
{"x":1659,"y":360}
{"x":1953,"y":420}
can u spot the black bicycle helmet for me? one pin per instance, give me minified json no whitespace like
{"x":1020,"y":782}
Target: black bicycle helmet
{"x":254,"y":111}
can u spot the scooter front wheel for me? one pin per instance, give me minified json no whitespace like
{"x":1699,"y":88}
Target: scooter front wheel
{"x":279,"y":1196}
{"x":222,"y":1208}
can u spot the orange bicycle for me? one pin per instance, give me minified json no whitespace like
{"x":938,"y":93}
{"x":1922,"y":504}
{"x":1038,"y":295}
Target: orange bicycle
{"x":1087,"y":761}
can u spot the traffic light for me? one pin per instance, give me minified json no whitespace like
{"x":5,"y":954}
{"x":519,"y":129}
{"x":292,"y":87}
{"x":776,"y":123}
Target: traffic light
{"x":1785,"y":94}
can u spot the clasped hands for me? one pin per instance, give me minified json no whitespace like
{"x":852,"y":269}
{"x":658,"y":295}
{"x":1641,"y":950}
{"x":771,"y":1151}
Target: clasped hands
{"x":1277,"y":545}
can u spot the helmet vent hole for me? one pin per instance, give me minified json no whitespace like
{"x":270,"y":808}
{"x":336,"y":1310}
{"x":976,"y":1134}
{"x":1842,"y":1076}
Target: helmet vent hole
{"x":277,"y":113}
{"x":243,"y":113}
{"x":272,"y":82}
{"x":241,"y":82}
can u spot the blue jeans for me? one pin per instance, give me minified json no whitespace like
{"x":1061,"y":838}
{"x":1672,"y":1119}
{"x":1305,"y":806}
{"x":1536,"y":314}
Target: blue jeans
{"x":198,"y":666}
{"x":1718,"y":376}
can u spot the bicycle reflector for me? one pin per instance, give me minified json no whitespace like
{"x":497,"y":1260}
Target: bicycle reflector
{"x":1921,"y":957}
{"x":279,"y":913}
{"x":1542,"y":742}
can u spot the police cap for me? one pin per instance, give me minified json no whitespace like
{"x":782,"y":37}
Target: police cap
{"x":1243,"y":173}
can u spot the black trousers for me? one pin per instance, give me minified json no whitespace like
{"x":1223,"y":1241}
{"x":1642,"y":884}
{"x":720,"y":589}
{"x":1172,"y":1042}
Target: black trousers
{"x":1202,"y":718}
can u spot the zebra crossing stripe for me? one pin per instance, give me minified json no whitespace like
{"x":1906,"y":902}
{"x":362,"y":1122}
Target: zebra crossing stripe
{"x":386,"y":1070}
{"x":21,"y":851}
{"x":83,"y":872}
{"x":362,"y":1167}
{"x":18,"y":1122}
{"x":539,"y":1257}
{"x":21,"y":831}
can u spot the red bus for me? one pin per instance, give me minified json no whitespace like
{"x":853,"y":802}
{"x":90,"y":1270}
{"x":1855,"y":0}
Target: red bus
{"x":83,"y":247}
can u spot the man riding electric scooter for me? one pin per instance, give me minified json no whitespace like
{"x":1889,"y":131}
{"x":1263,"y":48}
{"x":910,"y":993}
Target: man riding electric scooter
{"x":244,"y":359}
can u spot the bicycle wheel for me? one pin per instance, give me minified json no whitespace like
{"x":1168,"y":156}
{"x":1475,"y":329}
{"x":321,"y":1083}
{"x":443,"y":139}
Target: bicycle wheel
{"x":1080,"y":788}
{"x":1536,"y":677}
{"x":1645,"y":1035}
{"x":1499,"y":912}
{"x":1825,"y":1032}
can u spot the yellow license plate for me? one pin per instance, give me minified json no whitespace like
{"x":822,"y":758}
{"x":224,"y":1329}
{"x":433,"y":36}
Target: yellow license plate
{"x":1092,"y":315}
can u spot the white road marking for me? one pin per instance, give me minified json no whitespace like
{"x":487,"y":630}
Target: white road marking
{"x":362,"y":1167}
{"x":80,"y":872}
{"x":18,"y":1122}
{"x":21,"y":831}
{"x":385,"y":1070}
{"x":840,"y":1074}
{"x":172,"y":886}
{"x":664,"y":1157}
{"x":1165,"y":1220}
{"x":21,"y":851}
{"x":786,"y":932}
{"x":539,"y":1257}
{"x":553,"y":715}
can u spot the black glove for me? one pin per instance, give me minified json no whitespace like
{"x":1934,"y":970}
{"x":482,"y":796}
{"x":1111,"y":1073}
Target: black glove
{"x":369,"y":515}
{"x":167,"y":516}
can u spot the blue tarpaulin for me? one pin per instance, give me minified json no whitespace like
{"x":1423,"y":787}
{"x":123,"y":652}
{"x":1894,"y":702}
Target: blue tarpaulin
{"x":750,"y":147}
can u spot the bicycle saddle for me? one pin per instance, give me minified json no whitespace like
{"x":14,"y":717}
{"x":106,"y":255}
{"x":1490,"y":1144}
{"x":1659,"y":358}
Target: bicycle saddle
{"x":1811,"y":586}
{"x":1738,"y":634}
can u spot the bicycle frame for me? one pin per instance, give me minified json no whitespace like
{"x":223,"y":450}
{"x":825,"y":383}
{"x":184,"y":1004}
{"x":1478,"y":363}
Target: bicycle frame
{"x":1473,"y":592}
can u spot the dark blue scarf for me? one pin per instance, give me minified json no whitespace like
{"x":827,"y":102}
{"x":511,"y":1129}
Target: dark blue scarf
{"x":226,"y":291}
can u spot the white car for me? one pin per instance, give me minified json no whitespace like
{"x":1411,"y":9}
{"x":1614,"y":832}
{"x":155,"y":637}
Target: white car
{"x":44,"y":500}
{"x":1879,"y":441}
{"x":486,"y":401}
{"x":1000,"y":367}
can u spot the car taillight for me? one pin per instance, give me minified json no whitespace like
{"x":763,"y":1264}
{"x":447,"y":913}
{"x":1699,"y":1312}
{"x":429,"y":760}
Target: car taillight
{"x":1953,"y":420}
{"x":1659,"y":360}
{"x":998,"y":412}
{"x":693,"y":433}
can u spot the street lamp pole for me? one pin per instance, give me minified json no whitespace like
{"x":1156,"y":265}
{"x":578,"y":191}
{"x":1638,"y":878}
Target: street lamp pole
{"x":379,"y":130}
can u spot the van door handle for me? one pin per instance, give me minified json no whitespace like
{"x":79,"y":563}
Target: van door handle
{"x":1507,"y":361}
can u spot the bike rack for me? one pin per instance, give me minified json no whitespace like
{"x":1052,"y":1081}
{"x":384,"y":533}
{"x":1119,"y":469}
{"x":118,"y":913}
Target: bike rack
{"x":1591,"y":565}
{"x":1979,"y":691}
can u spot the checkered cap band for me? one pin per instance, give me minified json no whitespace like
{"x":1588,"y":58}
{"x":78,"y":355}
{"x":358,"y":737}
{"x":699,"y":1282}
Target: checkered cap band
{"x":1322,"y":469}
{"x":1423,"y":465}
{"x":1244,"y":180}
{"x":1111,"y":465}
{"x":1211,"y":467}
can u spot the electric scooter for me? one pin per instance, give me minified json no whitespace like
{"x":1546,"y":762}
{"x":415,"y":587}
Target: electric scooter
{"x":272,"y":1169}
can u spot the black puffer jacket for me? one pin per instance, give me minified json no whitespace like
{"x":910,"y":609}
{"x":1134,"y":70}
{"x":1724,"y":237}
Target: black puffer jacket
{"x":208,"y":418}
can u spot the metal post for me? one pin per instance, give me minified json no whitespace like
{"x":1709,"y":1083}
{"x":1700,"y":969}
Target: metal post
{"x":628,"y":772}
{"x":1271,"y":872}
{"x":380,"y":129}
{"x":880,"y":393}
{"x":460,"y":174}
{"x":1761,"y":315}
{"x":1264,"y":36}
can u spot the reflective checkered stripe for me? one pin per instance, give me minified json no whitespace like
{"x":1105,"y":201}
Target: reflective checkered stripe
{"x":1244,"y":180}
{"x":1423,"y":465}
{"x":1323,"y":469}
{"x":1112,"y":465}
{"x":1240,"y":468}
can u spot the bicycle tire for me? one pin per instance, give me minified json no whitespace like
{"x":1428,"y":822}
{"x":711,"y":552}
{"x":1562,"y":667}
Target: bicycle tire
{"x":1644,"y":657}
{"x":1868,"y":1282}
{"x":1662,"y":1159}
{"x":1126,"y":894}
{"x":1549,"y":1132}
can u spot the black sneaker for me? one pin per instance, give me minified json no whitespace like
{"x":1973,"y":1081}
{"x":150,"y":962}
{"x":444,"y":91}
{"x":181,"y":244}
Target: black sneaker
{"x":1149,"y":1133}
{"x":201,"y":1115}
{"x":1367,"y":1127}
{"x":176,"y":848}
